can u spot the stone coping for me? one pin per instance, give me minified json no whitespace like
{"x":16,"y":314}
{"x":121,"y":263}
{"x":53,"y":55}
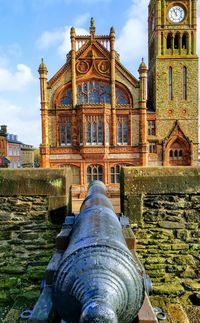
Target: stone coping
{"x":154,"y":180}
{"x":38,"y":181}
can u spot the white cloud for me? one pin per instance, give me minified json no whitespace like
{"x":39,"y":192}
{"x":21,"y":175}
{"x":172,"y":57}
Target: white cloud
{"x":132,"y":41}
{"x":59,"y":38}
{"x":22,"y":120}
{"x":15,"y":81}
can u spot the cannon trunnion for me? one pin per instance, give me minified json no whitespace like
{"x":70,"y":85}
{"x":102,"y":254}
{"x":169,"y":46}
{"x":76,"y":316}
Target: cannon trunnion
{"x":93,"y":277}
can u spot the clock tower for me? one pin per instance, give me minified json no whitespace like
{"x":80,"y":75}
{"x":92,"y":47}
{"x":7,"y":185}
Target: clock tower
{"x":173,"y":82}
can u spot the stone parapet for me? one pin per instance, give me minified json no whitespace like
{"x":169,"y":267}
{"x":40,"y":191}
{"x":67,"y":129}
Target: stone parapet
{"x":164,"y":204}
{"x":33,"y":203}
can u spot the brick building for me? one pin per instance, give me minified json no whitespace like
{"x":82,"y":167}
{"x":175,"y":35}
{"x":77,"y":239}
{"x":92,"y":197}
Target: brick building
{"x":96,"y":116}
{"x":27,"y":156}
{"x":13,"y":151}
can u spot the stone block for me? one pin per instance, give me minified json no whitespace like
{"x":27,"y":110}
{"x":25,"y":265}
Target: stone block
{"x":171,"y":225}
{"x":172,"y":289}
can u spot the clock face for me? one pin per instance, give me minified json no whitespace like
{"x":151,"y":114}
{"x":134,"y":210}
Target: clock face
{"x":176,"y":14}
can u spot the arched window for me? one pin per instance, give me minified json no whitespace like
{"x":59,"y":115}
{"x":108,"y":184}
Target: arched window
{"x":115,"y":174}
{"x":94,"y":92}
{"x":66,"y":98}
{"x":65,"y":131}
{"x":120,"y":97}
{"x":169,"y":41}
{"x":94,"y":172}
{"x":180,"y":154}
{"x":175,"y":154}
{"x":184,"y":41}
{"x":170,"y":94}
{"x":184,"y":83}
{"x":171,"y":154}
{"x":176,"y":41}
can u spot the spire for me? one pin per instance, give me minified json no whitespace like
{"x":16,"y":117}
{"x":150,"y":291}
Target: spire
{"x":42,"y":67}
{"x":112,"y":31}
{"x":142,"y":66}
{"x":92,"y":26}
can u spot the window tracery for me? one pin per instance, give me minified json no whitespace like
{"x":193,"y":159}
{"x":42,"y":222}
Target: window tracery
{"x":94,"y":130}
{"x":122,"y":130}
{"x":65,"y":131}
{"x":94,"y":172}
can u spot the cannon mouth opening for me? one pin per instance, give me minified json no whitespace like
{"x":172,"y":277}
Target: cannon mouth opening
{"x":98,"y":312}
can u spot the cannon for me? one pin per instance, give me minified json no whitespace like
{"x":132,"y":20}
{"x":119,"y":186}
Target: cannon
{"x":93,"y":276}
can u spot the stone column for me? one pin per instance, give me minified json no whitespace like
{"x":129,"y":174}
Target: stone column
{"x":143,"y":114}
{"x":113,"y":90}
{"x":73,"y":65}
{"x":44,"y":147}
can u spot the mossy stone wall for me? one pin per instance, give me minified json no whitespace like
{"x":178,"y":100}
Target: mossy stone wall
{"x":33,"y":204}
{"x":165,"y":204}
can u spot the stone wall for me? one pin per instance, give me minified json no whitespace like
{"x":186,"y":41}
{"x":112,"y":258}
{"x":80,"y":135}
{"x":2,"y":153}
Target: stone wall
{"x":33,"y":204}
{"x":165,"y":205}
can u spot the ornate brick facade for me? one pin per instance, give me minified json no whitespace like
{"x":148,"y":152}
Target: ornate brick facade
{"x":96,"y":116}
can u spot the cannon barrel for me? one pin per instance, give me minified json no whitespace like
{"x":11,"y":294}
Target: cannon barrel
{"x":98,"y":279}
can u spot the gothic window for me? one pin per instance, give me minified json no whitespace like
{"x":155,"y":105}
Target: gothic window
{"x":170,"y":83}
{"x":151,"y":128}
{"x":107,"y":133}
{"x":94,"y":172}
{"x":152,"y":147}
{"x":94,"y":130}
{"x":65,"y":131}
{"x":184,"y":41}
{"x":169,"y":41}
{"x":171,"y":154}
{"x":184,"y":83}
{"x":122,"y":131}
{"x":120,"y":97}
{"x":94,"y":92}
{"x":67,"y":98}
{"x":115,"y":174}
{"x":176,"y":41}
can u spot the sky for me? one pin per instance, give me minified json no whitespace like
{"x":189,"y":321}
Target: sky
{"x":32,"y":29}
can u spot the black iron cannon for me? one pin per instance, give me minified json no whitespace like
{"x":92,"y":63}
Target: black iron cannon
{"x":93,"y":277}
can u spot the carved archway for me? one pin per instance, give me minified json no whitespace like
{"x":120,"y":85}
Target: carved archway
{"x":177,"y":148}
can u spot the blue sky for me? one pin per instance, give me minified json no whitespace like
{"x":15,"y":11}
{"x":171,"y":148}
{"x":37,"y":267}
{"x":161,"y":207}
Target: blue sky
{"x":31,"y":29}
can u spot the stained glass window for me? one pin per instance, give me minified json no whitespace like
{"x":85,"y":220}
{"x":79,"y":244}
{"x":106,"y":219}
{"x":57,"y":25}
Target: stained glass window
{"x":125,"y":133}
{"x":67,"y":98}
{"x":94,"y":92}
